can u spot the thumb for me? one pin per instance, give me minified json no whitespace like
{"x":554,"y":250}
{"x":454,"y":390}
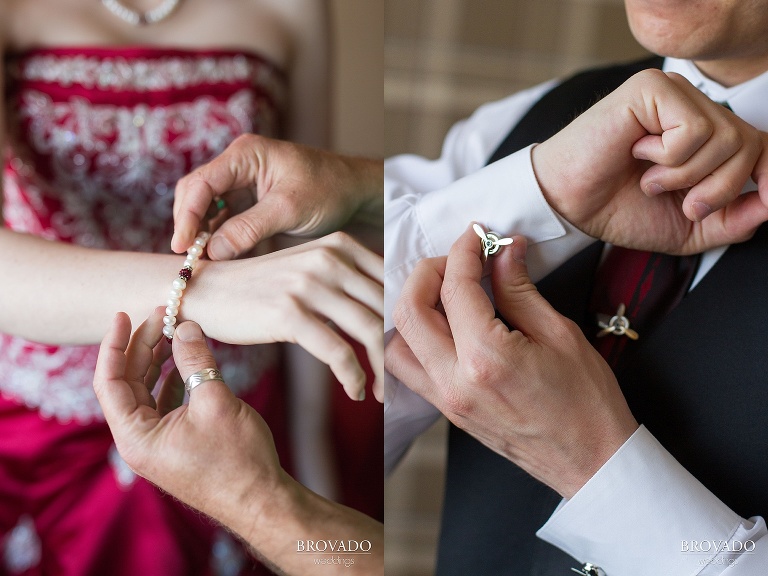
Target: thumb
{"x":191,"y":354}
{"x":516,"y":297}
{"x":269,"y":216}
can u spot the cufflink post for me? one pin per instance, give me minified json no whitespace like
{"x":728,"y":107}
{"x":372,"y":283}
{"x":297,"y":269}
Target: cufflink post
{"x":589,"y":569}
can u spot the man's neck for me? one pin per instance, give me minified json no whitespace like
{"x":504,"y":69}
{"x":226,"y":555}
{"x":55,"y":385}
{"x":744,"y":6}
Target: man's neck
{"x":732,"y":72}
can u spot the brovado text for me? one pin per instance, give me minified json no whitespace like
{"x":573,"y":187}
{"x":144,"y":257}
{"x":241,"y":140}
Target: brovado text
{"x":333,"y":546}
{"x":716,"y":546}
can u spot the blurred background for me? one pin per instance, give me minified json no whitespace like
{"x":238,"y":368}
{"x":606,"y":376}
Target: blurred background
{"x":442,"y":59}
{"x":358,"y":67}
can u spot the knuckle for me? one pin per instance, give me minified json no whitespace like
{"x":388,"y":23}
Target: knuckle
{"x":340,"y":239}
{"x":196,"y":359}
{"x":519,"y":292}
{"x":372,"y":327}
{"x":244,"y":141}
{"x":731,"y":137}
{"x":244,"y":232}
{"x":403,"y":319}
{"x":182,"y":185}
{"x":302,"y":283}
{"x":376,"y":329}
{"x":422,"y":266}
{"x":391,"y":360}
{"x":726,"y":191}
{"x":521,"y":283}
{"x":448,"y":292}
{"x":455,"y":401}
{"x":375,"y":344}
{"x":674,"y":76}
{"x":702,"y":127}
{"x":195,"y":179}
{"x":289,"y":205}
{"x":291,"y":306}
{"x":565,"y":330}
{"x":342,"y":355}
{"x":649,"y":76}
{"x":326,"y":258}
{"x":477,"y":369}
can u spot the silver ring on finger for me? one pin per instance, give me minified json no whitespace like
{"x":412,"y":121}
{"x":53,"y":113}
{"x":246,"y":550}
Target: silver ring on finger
{"x":201,"y":376}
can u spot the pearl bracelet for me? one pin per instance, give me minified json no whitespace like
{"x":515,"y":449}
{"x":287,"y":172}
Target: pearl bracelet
{"x":194,"y":254}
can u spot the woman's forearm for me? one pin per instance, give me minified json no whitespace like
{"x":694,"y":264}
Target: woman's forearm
{"x":58,"y":293}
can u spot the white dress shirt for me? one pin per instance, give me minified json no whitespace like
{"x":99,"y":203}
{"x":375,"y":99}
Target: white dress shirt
{"x":642,"y":512}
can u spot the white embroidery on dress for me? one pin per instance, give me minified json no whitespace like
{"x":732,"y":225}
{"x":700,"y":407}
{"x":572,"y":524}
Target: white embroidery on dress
{"x":148,"y":74}
{"x":116,"y":166}
{"x":124,"y":476}
{"x":22,"y":547}
{"x":227,"y":557}
{"x":58,"y":380}
{"x":55,"y":380}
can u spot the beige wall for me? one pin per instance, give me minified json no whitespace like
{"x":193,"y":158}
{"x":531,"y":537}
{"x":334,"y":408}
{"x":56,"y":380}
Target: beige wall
{"x":358,"y":107}
{"x":443,"y":58}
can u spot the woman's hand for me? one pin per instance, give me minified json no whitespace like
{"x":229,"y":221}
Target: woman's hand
{"x":291,"y":296}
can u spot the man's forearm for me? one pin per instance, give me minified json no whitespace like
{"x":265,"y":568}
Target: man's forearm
{"x":369,"y":184}
{"x":296,"y":530}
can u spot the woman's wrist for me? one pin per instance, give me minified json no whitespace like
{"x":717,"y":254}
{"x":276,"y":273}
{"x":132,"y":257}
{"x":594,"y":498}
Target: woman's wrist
{"x":200,"y":298}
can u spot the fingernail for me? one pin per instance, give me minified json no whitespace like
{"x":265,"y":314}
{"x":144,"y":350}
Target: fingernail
{"x":174,"y":242}
{"x":654,"y":189}
{"x":221,"y":249}
{"x":701,"y":210}
{"x":362,"y":395}
{"x":188,"y":332}
{"x":519,"y":248}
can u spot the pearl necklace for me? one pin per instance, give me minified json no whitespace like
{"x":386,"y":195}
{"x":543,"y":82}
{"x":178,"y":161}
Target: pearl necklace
{"x":140,"y":18}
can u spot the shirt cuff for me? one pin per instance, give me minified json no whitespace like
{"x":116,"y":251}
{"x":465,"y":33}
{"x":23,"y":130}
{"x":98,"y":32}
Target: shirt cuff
{"x":504,"y":197}
{"x":640,"y":513}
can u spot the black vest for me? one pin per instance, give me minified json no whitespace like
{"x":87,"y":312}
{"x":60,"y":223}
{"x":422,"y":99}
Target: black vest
{"x":699,"y":383}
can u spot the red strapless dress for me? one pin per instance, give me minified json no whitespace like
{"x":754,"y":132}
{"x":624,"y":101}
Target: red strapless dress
{"x":97,"y":139}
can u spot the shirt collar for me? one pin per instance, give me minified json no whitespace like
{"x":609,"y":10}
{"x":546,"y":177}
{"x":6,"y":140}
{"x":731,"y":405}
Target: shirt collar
{"x":747,"y":99}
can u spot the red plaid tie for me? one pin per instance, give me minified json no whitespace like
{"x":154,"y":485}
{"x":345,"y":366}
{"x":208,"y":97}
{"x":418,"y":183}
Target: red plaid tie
{"x":648,"y":284}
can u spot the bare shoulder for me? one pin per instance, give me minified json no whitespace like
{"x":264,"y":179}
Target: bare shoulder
{"x":273,"y":27}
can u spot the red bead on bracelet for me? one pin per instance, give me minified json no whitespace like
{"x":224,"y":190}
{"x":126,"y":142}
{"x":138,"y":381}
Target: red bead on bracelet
{"x":194,"y":253}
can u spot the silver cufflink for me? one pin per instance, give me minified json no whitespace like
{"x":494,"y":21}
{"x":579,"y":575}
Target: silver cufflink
{"x":491,"y":242}
{"x":589,"y":570}
{"x":618,"y":325}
